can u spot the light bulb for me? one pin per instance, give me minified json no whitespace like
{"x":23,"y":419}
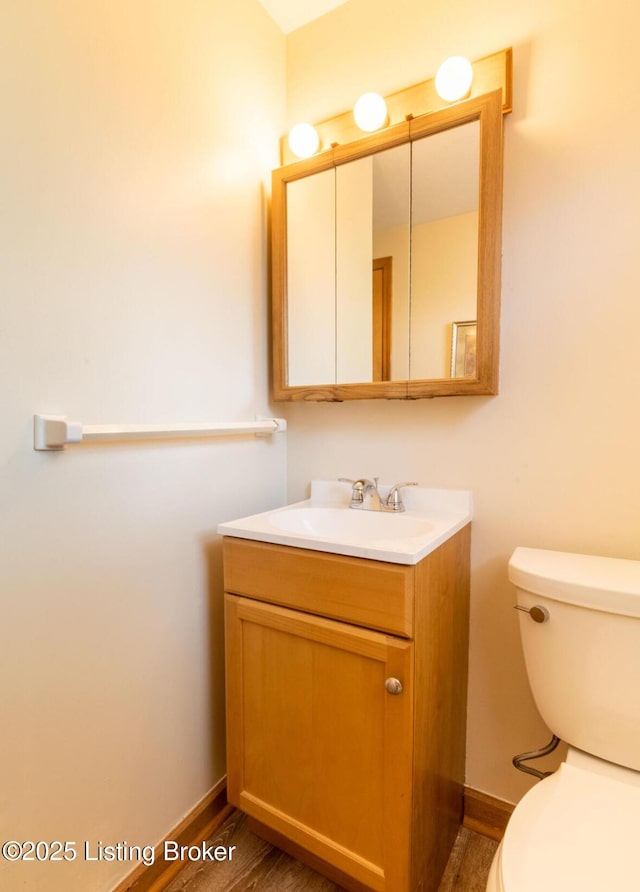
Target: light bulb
{"x":370,"y":112}
{"x":304,"y":140}
{"x":453,"y":79}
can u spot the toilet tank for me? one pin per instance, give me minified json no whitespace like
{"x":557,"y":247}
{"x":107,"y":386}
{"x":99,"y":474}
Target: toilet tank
{"x":583,"y":662}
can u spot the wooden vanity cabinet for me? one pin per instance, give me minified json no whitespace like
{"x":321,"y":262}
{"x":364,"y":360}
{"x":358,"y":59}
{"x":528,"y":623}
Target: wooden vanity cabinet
{"x":333,"y":761}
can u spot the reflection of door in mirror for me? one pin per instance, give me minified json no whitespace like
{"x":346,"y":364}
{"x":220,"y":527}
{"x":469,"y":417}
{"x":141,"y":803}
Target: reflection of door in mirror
{"x":391,"y":218}
{"x":382,"y":302}
{"x":444,"y":244}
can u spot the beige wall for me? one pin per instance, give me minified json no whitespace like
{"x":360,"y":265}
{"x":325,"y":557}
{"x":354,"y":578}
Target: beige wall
{"x":136,"y":139}
{"x":553,"y":460}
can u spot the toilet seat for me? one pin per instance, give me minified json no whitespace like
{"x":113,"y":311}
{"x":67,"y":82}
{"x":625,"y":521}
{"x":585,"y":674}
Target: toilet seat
{"x":575,"y":831}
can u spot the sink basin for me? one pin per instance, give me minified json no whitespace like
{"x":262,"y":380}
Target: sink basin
{"x":363,"y":526}
{"x":325,"y":522}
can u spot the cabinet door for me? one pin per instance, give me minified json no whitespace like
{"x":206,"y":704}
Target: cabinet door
{"x":318,"y":749}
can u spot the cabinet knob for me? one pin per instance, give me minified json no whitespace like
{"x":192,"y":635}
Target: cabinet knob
{"x":393,"y":685}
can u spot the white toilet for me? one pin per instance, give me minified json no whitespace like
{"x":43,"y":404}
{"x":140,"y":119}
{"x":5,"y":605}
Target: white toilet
{"x":578,"y":830}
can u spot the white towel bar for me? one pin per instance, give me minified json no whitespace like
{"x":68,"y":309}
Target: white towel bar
{"x":52,"y":432}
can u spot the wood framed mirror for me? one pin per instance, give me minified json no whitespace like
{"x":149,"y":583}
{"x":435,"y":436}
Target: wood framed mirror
{"x":380,"y":248}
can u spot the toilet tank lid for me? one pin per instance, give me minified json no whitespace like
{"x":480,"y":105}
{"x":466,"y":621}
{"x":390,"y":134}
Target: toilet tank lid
{"x":599,"y":583}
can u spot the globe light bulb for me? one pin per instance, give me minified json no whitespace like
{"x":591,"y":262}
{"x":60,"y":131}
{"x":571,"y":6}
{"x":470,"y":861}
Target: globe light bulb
{"x":370,"y":112}
{"x":304,"y":140}
{"x":453,"y":78}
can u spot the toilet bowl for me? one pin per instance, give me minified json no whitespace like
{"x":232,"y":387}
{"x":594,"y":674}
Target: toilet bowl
{"x":578,"y":829}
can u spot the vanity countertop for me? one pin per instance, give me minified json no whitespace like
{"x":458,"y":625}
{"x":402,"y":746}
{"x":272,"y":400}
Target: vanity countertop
{"x":325,"y":522}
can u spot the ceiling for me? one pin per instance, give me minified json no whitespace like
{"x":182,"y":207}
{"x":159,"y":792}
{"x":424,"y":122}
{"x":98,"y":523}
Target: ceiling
{"x":292,"y":14}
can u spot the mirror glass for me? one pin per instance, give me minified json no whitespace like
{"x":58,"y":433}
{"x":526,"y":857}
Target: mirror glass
{"x":311,"y":278}
{"x":445,"y":171}
{"x":388,"y":262}
{"x":391,"y":243}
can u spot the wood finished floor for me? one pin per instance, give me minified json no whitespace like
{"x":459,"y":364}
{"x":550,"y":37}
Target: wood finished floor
{"x":259,"y":867}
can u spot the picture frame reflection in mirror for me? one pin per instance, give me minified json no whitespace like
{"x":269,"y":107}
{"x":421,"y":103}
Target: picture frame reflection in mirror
{"x":463,"y":349}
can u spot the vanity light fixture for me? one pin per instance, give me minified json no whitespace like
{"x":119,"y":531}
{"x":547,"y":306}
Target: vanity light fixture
{"x":370,"y":112}
{"x":453,"y":78}
{"x":304,"y":140}
{"x":488,"y":73}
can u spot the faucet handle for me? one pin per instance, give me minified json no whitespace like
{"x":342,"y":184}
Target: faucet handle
{"x":394,"y":499}
{"x":360,"y":488}
{"x":357,"y":493}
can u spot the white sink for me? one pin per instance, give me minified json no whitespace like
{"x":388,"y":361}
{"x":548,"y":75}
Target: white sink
{"x":356,"y":525}
{"x":325,"y":522}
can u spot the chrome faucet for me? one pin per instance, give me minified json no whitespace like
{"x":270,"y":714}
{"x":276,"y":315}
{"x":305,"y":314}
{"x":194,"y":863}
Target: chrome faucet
{"x":365,"y":495}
